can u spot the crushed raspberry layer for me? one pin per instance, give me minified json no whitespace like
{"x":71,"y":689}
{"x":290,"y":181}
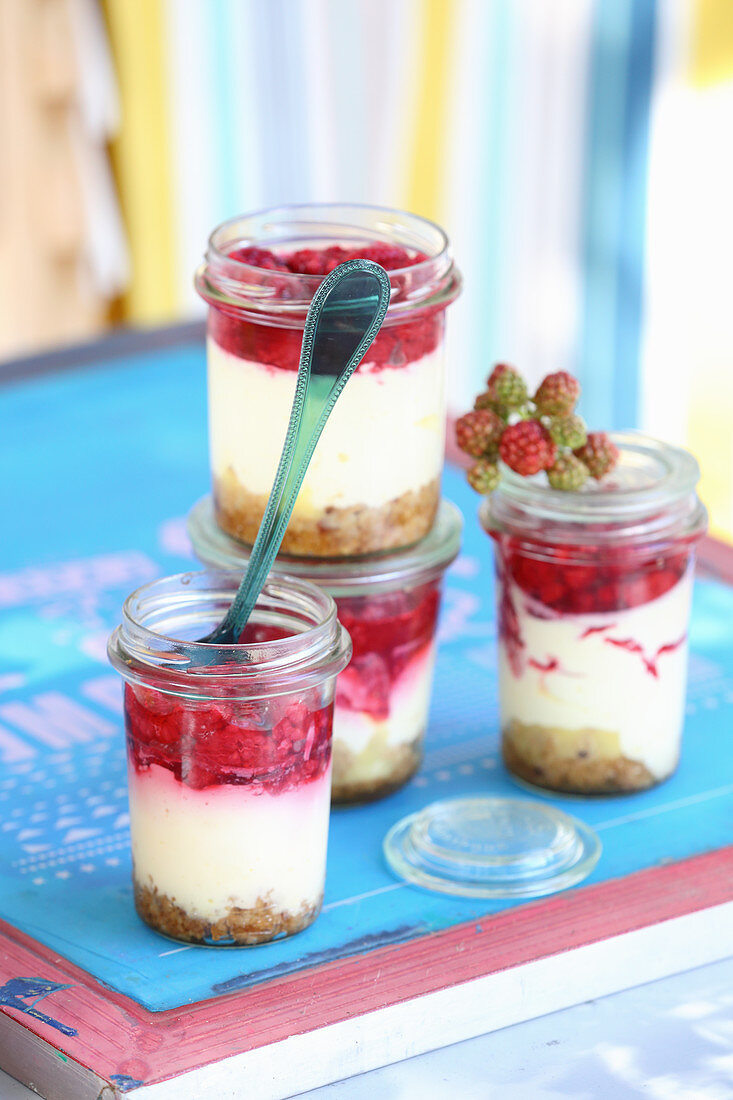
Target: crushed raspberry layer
{"x":321,"y":261}
{"x":605,"y":579}
{"x":394,"y":346}
{"x":387,"y":632}
{"x":615,"y":581}
{"x":271,"y":745}
{"x":208,"y":744}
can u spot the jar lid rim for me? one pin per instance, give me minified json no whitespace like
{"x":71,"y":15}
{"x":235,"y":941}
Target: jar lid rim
{"x":214,"y":251}
{"x":673,"y":476}
{"x":136,"y":647}
{"x":348,"y":576}
{"x":227,"y":282}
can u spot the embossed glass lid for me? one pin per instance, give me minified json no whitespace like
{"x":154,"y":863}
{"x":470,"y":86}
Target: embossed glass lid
{"x":492,"y":848}
{"x":369,"y":574}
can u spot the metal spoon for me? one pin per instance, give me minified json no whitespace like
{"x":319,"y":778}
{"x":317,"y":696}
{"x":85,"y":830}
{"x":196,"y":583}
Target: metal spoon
{"x":344,"y":317}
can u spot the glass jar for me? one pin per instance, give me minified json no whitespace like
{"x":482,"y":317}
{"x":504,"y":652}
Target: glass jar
{"x":374,"y":481}
{"x":229,"y":762}
{"x":593,"y":591}
{"x":389,"y":605}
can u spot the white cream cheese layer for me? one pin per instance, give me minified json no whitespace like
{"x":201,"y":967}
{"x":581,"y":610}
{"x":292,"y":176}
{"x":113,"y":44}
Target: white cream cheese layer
{"x":602,"y":680}
{"x":384,"y":438}
{"x":212,"y":849}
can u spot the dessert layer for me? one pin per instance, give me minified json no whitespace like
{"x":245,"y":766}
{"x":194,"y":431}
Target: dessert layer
{"x":395,"y":344}
{"x":623,"y":671}
{"x":378,"y":770}
{"x":581,"y":579}
{"x":275,"y":744}
{"x":579,"y":760}
{"x":259,"y":924}
{"x":229,"y":847}
{"x":359,"y":725}
{"x":384,"y":439}
{"x":337,"y":532}
{"x":383,"y":696}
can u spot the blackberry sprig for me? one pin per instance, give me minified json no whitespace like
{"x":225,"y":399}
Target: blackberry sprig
{"x":532,"y":434}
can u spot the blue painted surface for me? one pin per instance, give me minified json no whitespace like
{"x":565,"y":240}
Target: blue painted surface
{"x":124,"y":1082}
{"x":99,"y":470}
{"x":23,"y":994}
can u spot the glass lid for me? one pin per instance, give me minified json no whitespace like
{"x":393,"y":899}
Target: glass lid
{"x":339,"y":576}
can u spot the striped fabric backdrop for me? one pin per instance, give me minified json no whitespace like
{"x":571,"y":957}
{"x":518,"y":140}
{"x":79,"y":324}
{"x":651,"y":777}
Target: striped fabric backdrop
{"x":526,"y":128}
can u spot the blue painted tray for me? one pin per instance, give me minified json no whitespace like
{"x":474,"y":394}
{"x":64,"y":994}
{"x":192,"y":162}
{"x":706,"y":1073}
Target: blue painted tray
{"x":100,"y":467}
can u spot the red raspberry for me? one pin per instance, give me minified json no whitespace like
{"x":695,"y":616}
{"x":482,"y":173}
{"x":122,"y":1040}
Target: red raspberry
{"x":598,"y":453}
{"x":557,"y":394}
{"x":527,"y":448}
{"x":478,"y":430}
{"x":365,"y":686}
{"x":259,"y":257}
{"x":389,"y":256}
{"x":317,"y":261}
{"x":395,"y":345}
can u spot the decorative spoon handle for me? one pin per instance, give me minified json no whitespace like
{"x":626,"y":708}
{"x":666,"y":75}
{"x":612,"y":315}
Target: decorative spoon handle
{"x":344,"y":317}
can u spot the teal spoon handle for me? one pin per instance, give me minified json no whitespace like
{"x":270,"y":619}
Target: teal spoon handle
{"x":344,"y":317}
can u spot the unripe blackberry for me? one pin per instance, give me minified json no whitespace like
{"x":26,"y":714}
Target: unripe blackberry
{"x":483,"y":476}
{"x":557,"y":394}
{"x":478,"y":430}
{"x":568,"y":472}
{"x":569,"y":431}
{"x":599,"y":454}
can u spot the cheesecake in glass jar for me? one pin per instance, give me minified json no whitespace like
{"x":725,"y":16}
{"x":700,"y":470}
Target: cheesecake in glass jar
{"x":389,"y":605}
{"x":373,"y":482}
{"x":593,"y":606}
{"x":229,"y":756}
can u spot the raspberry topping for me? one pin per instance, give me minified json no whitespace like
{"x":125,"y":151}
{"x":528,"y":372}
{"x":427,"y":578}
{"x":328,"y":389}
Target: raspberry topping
{"x":259,"y":257}
{"x":527,"y":448}
{"x":321,"y":261}
{"x":387,"y":632}
{"x":270,"y":745}
{"x":615,"y":581}
{"x":278,"y":346}
{"x":312,"y":261}
{"x":590,"y":579}
{"x":390,"y":256}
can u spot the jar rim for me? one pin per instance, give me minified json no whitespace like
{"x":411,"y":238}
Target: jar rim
{"x":145,"y":643}
{"x":370,"y":574}
{"x":650,"y":494}
{"x":223,"y":281}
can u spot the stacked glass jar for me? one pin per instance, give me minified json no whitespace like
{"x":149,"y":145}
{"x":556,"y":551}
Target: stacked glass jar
{"x":232,"y":748}
{"x":368,"y":525}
